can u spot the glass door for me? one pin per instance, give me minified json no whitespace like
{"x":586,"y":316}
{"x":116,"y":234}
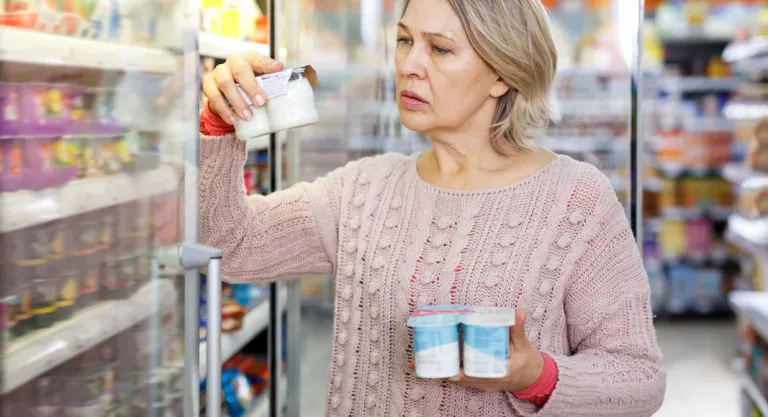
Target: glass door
{"x":93,"y":130}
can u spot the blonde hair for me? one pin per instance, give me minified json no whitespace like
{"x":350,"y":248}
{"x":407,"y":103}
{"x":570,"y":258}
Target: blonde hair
{"x":513,"y":37}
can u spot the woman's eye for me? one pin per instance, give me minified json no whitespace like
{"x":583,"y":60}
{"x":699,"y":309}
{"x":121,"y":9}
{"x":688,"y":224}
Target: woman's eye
{"x":440,"y":51}
{"x":403,"y":41}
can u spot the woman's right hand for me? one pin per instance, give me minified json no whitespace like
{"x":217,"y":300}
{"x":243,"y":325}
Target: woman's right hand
{"x":220,"y":86}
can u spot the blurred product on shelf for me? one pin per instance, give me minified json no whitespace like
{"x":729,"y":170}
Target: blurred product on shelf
{"x":133,"y":22}
{"x":753,"y":198}
{"x":237,"y":19}
{"x":757,"y":153}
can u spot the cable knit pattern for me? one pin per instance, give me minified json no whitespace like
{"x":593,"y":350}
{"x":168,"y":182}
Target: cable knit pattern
{"x":556,"y":243}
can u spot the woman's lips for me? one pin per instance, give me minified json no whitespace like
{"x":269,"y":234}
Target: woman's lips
{"x":412,"y":101}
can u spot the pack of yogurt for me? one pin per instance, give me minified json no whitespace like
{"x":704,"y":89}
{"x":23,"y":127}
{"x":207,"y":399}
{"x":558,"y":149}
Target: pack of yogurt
{"x":437,"y":345}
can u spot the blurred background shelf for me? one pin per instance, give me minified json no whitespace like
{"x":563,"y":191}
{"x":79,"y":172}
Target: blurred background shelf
{"x":752,"y":305}
{"x":32,"y":47}
{"x":255,"y":322}
{"x":220,"y":47}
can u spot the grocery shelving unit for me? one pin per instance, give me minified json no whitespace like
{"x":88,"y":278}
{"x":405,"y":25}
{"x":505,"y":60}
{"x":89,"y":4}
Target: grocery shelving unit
{"x":749,"y":234}
{"x":38,"y":353}
{"x":255,"y":322}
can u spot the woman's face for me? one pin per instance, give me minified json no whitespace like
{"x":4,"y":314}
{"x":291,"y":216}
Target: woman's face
{"x":443,"y":85}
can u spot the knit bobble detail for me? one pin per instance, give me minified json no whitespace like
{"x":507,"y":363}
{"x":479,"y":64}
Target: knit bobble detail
{"x":564,"y":241}
{"x":354,"y":224}
{"x":335,"y":401}
{"x":545,"y":287}
{"x":416,"y":394}
{"x":475,"y":405}
{"x":345,"y":315}
{"x":507,"y":240}
{"x":492,"y":280}
{"x":340,"y":359}
{"x":346,"y":293}
{"x":370,"y":401}
{"x":514,"y":220}
{"x":553,"y":263}
{"x":350,"y":246}
{"x":390,"y":222}
{"x":500,"y":258}
{"x":576,"y":217}
{"x":443,"y":223}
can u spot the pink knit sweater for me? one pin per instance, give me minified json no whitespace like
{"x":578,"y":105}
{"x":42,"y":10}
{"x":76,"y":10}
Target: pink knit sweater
{"x":556,"y":243}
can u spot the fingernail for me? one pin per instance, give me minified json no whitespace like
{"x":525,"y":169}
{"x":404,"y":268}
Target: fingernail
{"x":277,"y":65}
{"x":232,"y":120}
{"x":247,"y":114}
{"x":259,"y":100}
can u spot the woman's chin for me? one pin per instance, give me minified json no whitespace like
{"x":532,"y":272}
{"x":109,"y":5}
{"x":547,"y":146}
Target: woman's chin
{"x":415,"y":122}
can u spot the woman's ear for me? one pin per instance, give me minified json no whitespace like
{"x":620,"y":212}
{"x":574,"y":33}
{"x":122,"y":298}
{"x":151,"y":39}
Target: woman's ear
{"x":499,"y":88}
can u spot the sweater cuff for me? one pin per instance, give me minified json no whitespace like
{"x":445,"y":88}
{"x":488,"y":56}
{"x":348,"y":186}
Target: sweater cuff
{"x":213,"y":125}
{"x":539,"y":392}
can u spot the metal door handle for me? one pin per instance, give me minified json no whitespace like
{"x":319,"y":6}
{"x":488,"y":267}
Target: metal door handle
{"x":195,"y":256}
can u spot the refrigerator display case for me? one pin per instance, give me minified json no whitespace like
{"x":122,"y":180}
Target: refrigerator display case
{"x":93,"y":130}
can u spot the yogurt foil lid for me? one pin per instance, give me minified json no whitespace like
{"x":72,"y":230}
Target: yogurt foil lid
{"x":276,"y":84}
{"x":435,"y":320}
{"x":469,"y":315}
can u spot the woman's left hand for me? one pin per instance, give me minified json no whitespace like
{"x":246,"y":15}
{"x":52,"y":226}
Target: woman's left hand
{"x":525,"y":363}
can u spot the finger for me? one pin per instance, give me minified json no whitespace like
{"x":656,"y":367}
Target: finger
{"x":517,"y":332}
{"x":226,"y":84}
{"x":243,"y":75}
{"x":262,"y":64}
{"x":467,"y":381}
{"x":216,"y":101}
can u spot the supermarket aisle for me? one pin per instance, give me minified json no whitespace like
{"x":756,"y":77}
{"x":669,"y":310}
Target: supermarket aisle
{"x":697,"y":357}
{"x":697,"y":354}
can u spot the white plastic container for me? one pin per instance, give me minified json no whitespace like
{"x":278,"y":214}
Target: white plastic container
{"x":259,"y":123}
{"x":436,"y":345}
{"x":290,"y":103}
{"x":486,"y":342}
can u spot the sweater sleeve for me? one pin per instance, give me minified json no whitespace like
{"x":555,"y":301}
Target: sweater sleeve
{"x":282,"y":235}
{"x":615,"y":367}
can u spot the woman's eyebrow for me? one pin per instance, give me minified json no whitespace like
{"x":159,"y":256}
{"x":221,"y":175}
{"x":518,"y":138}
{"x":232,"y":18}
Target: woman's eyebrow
{"x":427,"y":34}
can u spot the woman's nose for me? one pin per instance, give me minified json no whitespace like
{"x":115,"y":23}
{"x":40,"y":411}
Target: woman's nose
{"x":413,"y":63}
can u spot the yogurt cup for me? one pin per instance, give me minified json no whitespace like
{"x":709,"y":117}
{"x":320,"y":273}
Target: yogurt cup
{"x":436,"y":345}
{"x":290,"y":103}
{"x":486,"y":342}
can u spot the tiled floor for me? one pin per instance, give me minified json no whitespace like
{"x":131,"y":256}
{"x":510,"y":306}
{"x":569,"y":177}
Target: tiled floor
{"x":697,"y":357}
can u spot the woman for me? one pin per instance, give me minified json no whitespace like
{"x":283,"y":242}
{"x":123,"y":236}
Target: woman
{"x":485,"y":217}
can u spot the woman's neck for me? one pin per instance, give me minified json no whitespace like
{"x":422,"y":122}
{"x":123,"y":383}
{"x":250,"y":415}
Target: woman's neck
{"x":471,"y":163}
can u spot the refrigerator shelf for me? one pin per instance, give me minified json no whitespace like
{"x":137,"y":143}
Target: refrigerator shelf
{"x":82,"y":196}
{"x":752,"y":48}
{"x":33,"y":47}
{"x":220,"y":47}
{"x":752,"y":305}
{"x":749,"y":235}
{"x":749,"y":387}
{"x":40,"y":352}
{"x":254,"y":323}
